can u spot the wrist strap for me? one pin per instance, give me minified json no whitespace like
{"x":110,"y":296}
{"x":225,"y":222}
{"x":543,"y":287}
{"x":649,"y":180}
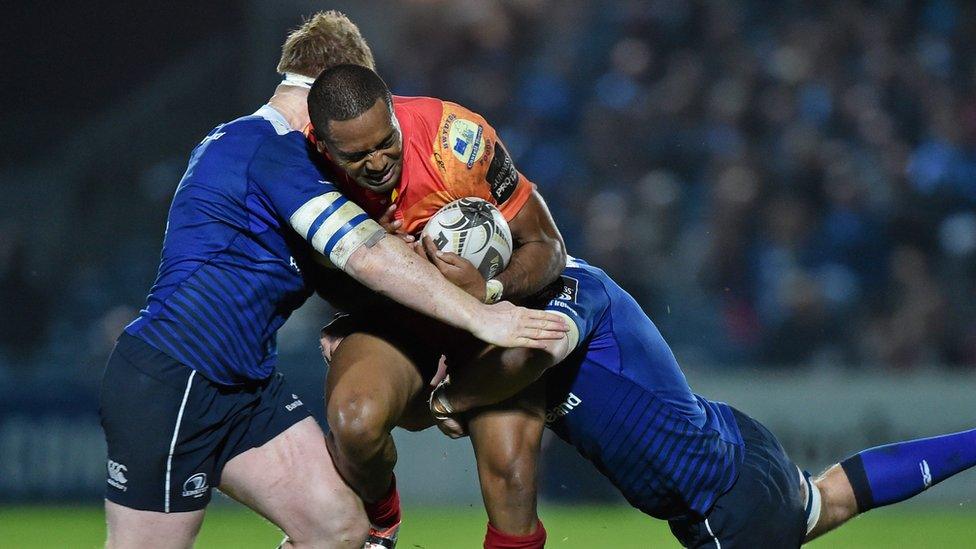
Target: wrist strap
{"x":493,"y":291}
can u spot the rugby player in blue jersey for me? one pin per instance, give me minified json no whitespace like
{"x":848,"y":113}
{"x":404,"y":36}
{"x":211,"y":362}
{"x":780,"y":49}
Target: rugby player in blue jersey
{"x":614,"y":390}
{"x":190,"y":399}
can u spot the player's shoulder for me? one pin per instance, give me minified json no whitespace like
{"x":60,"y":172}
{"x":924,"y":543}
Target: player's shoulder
{"x":264,"y":126}
{"x":428,"y":107}
{"x":579,"y":275}
{"x":435,"y":114}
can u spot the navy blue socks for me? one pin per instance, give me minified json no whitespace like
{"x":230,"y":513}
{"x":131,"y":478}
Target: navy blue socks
{"x":895,"y":472}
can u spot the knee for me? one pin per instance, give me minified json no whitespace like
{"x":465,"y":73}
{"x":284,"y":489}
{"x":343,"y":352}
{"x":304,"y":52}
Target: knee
{"x":358,"y":421}
{"x":346,"y":527}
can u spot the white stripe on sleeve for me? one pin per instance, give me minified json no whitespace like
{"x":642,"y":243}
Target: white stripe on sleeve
{"x":303,"y":217}
{"x":306,"y":217}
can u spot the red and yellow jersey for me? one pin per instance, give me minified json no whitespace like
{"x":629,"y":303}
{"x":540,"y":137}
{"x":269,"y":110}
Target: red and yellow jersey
{"x":449,"y":152}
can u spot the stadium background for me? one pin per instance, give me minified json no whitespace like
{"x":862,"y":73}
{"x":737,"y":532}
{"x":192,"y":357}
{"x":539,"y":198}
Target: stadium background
{"x":788,"y":188}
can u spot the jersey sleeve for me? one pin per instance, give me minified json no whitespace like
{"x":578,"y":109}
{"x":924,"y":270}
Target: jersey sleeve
{"x":476,"y":163}
{"x":583,"y":301}
{"x":330,"y":222}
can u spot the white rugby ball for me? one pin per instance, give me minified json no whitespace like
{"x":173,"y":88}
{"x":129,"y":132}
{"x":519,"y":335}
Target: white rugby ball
{"x":475,"y":230}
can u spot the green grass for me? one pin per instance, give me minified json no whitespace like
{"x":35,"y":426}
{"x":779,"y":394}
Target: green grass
{"x":432,"y":528}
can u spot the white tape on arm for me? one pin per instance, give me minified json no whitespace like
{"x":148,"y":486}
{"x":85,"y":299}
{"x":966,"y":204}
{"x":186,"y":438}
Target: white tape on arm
{"x":334,"y":225}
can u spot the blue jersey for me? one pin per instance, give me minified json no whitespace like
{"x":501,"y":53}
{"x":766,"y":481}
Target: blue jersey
{"x":622,"y":401}
{"x":228,"y":277}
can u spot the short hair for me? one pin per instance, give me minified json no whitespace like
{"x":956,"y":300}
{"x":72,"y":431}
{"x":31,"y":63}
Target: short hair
{"x":326,"y":39}
{"x":344,"y":92}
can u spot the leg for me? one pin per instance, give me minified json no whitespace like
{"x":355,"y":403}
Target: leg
{"x":370,"y":384}
{"x":888,"y":474}
{"x":838,"y":504}
{"x":140,"y":424}
{"x":292,"y":482}
{"x":150,"y":529}
{"x":507,"y":440}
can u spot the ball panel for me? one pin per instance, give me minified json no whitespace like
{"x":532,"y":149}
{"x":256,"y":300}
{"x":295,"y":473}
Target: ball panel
{"x":475,"y":230}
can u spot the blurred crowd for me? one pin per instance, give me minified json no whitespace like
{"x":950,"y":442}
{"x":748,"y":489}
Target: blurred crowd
{"x":778,"y":183}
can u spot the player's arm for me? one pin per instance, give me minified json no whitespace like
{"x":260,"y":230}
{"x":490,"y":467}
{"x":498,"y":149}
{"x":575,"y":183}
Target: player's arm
{"x":499,"y":374}
{"x":538,"y":257}
{"x":340,"y":230}
{"x":540,"y":253}
{"x":391,"y":268}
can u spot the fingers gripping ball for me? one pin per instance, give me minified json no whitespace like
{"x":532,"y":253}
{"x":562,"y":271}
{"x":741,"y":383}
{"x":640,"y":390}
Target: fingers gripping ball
{"x":475,"y":230}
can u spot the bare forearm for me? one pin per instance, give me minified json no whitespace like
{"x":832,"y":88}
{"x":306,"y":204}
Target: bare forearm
{"x":389,"y":267}
{"x":496,"y":375}
{"x":532,"y":267}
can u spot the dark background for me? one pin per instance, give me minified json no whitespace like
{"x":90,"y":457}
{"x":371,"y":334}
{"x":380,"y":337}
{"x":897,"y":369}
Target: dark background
{"x":784,"y":186}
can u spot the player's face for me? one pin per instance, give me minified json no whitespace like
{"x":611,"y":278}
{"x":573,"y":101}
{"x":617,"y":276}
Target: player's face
{"x":369,"y":148}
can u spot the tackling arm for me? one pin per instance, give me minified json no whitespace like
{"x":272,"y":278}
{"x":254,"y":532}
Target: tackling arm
{"x":390,"y":267}
{"x":498,"y":374}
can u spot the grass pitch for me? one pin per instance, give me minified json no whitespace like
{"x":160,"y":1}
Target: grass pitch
{"x":458,"y":528}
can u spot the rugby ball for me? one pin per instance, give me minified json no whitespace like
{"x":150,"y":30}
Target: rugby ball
{"x":475,"y":230}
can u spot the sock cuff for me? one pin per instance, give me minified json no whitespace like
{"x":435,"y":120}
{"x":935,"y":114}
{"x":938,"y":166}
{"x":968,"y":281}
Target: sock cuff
{"x":854,"y":469}
{"x":385,"y":512}
{"x":496,"y":539}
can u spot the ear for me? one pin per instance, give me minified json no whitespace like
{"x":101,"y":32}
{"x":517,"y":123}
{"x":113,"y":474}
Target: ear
{"x":320,"y":146}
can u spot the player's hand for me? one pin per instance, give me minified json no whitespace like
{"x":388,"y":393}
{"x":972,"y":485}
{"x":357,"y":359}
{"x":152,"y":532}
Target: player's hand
{"x":461,"y":272}
{"x":327,"y":344}
{"x":394,"y":226}
{"x":452,"y":427}
{"x":441,"y":411}
{"x":507,"y":325}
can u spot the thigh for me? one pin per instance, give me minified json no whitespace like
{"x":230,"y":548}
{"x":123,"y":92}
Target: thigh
{"x":132,"y":528}
{"x":291,"y":481}
{"x":153,"y":430}
{"x":372,"y":375}
{"x":764,"y":508}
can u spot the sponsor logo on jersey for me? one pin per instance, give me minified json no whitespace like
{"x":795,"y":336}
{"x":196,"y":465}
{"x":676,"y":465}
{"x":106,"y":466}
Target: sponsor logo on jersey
{"x":926,"y":473}
{"x":464,"y":138}
{"x":195,"y":486}
{"x":297,"y":402}
{"x":563,"y":408}
{"x":440,"y":162}
{"x":116,"y":475}
{"x":502,"y":176}
{"x":213,"y":137}
{"x":570,"y":289}
{"x":559,"y":304}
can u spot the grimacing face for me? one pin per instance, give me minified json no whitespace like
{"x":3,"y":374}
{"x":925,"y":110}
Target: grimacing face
{"x":369,"y":148}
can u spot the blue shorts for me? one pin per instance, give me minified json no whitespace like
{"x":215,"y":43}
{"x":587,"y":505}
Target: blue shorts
{"x":764,"y":508}
{"x":170,"y":431}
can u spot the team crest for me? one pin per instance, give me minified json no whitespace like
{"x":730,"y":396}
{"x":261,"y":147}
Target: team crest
{"x":466,"y":140}
{"x":195,"y":486}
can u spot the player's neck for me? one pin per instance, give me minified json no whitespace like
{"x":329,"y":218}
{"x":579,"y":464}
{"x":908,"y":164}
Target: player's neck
{"x":292,"y":103}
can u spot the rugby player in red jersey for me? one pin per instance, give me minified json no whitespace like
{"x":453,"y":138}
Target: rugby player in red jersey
{"x":720,"y":478}
{"x":402,"y":159}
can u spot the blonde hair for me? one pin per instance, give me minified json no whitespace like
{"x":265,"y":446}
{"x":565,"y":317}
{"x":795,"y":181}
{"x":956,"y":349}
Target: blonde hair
{"x":324,"y":40}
